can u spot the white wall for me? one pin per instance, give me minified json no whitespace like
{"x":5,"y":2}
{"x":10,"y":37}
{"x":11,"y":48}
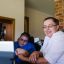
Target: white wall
{"x":36,"y":22}
{"x":14,"y":9}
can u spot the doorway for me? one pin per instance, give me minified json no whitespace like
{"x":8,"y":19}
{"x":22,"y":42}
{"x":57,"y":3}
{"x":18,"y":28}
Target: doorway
{"x":26,"y":24}
{"x":7,"y":28}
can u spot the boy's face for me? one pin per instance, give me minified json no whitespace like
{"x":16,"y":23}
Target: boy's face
{"x":23,"y":40}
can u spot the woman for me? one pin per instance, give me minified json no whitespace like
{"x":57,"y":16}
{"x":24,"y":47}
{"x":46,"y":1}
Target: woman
{"x":23,"y":48}
{"x":53,"y":47}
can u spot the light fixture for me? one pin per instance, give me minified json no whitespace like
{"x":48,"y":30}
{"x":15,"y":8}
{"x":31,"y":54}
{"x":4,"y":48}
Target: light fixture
{"x":56,"y":0}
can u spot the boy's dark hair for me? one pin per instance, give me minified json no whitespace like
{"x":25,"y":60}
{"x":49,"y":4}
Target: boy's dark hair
{"x":56,"y":21}
{"x":25,"y":34}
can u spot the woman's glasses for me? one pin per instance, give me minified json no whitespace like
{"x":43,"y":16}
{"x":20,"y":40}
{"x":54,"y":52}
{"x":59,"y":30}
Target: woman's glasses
{"x":50,"y":26}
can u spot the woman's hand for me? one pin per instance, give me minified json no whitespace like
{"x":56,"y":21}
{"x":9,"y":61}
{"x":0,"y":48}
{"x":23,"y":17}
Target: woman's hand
{"x":34,"y":56}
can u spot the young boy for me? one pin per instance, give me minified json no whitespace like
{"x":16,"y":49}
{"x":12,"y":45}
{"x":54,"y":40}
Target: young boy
{"x":23,"y":48}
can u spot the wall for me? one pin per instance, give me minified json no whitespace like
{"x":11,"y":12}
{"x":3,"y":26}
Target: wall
{"x":14,"y":9}
{"x":36,"y":22}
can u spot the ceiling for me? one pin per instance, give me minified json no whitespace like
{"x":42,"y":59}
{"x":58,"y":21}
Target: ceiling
{"x":46,"y":6}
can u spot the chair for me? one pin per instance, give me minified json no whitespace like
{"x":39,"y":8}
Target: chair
{"x":35,"y":42}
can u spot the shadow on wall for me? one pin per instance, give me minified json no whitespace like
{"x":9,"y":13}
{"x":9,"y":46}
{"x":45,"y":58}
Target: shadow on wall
{"x":63,"y":30}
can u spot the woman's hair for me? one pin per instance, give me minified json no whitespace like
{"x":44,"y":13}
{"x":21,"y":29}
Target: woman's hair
{"x":56,"y":21}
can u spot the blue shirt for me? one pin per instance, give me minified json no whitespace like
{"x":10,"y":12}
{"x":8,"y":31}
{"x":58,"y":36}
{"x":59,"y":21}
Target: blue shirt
{"x":28,"y":47}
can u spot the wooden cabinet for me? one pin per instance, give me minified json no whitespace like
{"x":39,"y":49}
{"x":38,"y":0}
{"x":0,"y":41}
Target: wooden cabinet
{"x":9,"y":32}
{"x":59,"y":12}
{"x":7,"y":29}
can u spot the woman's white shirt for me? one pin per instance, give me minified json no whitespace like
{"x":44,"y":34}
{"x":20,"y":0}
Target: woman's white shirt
{"x":45,"y":44}
{"x":53,"y":48}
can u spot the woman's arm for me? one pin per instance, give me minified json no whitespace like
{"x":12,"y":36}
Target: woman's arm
{"x":41,"y":60}
{"x":34,"y":56}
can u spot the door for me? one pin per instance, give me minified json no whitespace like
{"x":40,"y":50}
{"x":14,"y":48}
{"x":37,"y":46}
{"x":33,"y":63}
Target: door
{"x":26,"y":24}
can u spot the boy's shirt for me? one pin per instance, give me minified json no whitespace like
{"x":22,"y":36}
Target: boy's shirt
{"x":28,"y":47}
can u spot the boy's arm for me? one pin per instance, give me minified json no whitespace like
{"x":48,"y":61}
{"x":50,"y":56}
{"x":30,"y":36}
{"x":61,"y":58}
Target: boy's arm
{"x":22,"y":54}
{"x":21,"y":51}
{"x":23,"y":57}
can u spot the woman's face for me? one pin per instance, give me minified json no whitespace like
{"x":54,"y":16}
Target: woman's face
{"x":23,"y":40}
{"x":50,"y":27}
